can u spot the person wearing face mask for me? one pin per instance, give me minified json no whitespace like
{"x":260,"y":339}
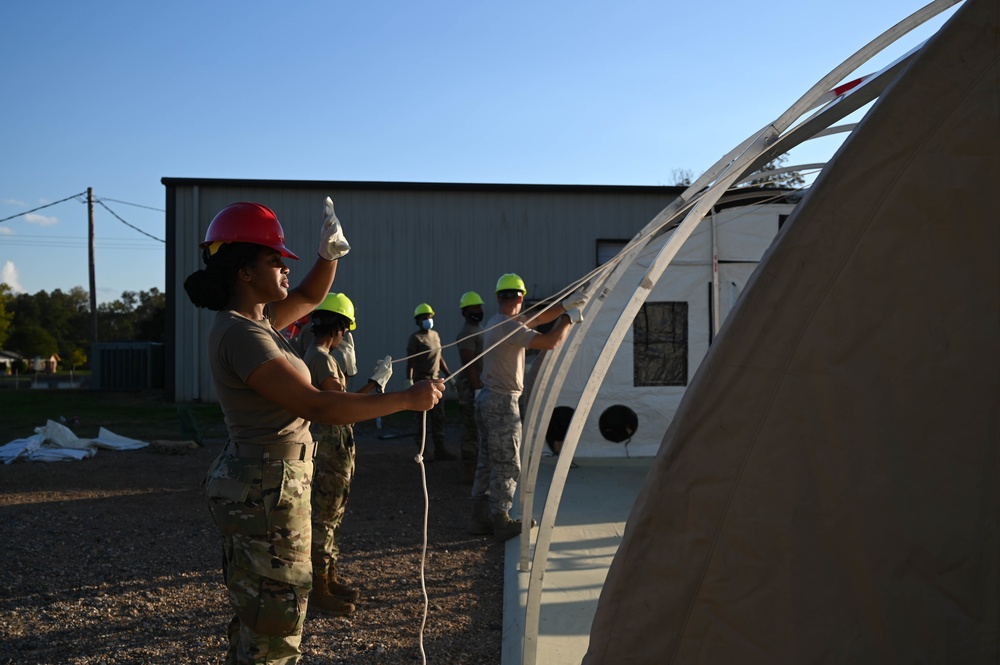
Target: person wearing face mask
{"x":426,"y":362}
{"x":470,"y":345}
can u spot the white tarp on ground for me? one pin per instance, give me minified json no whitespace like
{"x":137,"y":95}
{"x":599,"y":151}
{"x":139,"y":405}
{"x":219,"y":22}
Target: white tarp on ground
{"x":828,"y":490}
{"x":57,"y":443}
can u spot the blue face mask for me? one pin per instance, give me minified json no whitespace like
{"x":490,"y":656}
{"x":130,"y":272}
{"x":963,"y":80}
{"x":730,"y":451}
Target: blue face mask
{"x":427,"y":324}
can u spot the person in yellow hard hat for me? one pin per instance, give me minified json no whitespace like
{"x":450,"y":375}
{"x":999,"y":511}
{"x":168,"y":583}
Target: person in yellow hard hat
{"x":470,"y":346}
{"x":425,"y":361}
{"x":331,"y":326}
{"x":498,"y":414}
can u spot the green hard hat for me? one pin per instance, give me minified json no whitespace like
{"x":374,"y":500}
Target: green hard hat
{"x":511,"y":282}
{"x":338,"y":303}
{"x":469,"y":298}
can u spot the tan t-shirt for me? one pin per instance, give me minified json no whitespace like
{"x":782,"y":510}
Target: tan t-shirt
{"x":503,"y":367}
{"x":236,"y":347}
{"x":427,"y":365}
{"x":470,"y":339}
{"x":322,"y":365}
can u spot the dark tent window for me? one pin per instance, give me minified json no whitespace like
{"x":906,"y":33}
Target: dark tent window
{"x":660,"y":344}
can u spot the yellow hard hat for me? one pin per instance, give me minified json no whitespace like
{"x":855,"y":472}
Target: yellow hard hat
{"x":338,"y":303}
{"x":423,"y":308}
{"x":511,"y":282}
{"x":469,"y":298}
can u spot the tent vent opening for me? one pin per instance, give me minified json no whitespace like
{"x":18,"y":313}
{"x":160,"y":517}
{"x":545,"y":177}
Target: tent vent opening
{"x":618,"y":423}
{"x":558,"y":425}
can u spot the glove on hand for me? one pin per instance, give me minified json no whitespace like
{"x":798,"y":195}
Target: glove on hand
{"x":575,"y":315}
{"x":346,"y":348}
{"x":382,"y":373}
{"x":332,"y":243}
{"x":576,"y":299}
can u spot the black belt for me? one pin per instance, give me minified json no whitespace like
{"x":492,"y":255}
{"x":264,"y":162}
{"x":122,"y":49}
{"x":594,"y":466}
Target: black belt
{"x":276,"y":451}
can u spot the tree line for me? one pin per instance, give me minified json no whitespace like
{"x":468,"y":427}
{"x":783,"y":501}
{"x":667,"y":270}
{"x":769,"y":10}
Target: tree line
{"x":43,"y":324}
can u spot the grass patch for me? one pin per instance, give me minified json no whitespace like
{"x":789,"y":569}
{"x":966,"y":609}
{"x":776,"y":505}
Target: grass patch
{"x":138,"y":415}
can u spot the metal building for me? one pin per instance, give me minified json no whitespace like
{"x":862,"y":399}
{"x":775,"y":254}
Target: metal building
{"x":410,"y":243}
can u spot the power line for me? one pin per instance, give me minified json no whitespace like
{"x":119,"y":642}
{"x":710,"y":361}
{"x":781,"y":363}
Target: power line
{"x":47,"y":205}
{"x":131,"y":226}
{"x":132,"y":204}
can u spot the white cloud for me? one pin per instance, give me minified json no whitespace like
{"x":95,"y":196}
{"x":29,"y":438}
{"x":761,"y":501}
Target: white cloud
{"x":14,"y":202}
{"x":41,"y":220}
{"x":6,"y":231}
{"x":8,"y":275}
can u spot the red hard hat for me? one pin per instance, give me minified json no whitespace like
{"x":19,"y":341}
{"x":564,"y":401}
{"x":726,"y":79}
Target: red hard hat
{"x":246,"y":222}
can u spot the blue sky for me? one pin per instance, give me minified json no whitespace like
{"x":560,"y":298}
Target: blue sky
{"x":117,"y":95}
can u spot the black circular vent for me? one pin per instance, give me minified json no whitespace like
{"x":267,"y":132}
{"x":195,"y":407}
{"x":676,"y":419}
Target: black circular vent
{"x":618,"y":423}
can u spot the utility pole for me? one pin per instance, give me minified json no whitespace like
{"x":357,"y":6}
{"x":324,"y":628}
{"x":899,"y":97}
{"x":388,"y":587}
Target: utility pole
{"x":93,"y":279}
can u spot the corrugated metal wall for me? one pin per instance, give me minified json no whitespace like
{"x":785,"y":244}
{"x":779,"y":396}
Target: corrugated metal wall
{"x":411,"y":243}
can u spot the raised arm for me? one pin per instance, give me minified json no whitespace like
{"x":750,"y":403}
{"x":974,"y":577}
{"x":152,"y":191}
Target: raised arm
{"x":310,"y":292}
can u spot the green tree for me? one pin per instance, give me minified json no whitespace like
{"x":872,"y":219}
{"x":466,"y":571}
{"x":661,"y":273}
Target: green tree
{"x":77,"y":358}
{"x":62,"y":317}
{"x":32,"y":340}
{"x":6,"y":316}
{"x":135,"y":316}
{"x":151,"y":316}
{"x":787,"y":180}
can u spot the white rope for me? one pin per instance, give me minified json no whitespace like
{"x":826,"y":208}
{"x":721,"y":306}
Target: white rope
{"x":419,"y":459}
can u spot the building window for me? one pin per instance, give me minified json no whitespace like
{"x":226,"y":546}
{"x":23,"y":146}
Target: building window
{"x":608,"y":249}
{"x":660,"y":344}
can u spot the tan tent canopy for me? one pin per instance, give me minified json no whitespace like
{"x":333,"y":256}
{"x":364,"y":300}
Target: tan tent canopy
{"x":828,"y":490}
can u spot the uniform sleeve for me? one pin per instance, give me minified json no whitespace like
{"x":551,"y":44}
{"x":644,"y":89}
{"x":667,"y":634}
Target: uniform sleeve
{"x":411,"y":345}
{"x":246,"y":347}
{"x":323,"y":366}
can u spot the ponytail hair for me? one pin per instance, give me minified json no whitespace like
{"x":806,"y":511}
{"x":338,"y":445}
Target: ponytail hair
{"x":212,"y":286}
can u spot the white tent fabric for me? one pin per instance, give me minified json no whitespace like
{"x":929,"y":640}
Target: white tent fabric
{"x":55,"y":442}
{"x":828,"y":490}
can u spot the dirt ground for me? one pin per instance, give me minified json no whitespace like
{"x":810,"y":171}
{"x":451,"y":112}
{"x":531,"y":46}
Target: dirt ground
{"x":114,"y":559}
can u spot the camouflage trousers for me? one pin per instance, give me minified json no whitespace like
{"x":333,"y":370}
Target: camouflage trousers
{"x":330,"y":490}
{"x":262,"y":510}
{"x":467,"y":416}
{"x":499,"y":419}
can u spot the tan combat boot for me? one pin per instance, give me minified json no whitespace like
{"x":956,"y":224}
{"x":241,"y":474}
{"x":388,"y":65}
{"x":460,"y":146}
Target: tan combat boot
{"x":480,"y":524}
{"x":321,"y":600}
{"x":504,"y":528}
{"x":339,"y":589}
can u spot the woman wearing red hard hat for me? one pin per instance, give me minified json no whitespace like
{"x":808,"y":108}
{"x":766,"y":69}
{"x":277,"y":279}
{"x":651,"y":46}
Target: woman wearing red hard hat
{"x":259,"y":486}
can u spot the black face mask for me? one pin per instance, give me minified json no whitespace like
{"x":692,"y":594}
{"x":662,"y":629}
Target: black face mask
{"x":475,"y":318}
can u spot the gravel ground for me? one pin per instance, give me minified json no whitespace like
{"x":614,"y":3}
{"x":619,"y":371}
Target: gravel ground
{"x":114,"y":559}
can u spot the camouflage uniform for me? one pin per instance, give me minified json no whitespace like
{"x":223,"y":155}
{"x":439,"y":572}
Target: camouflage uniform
{"x":467,"y":416}
{"x":262,"y":510}
{"x":499,"y":419}
{"x":469,"y":339}
{"x":330,"y":492}
{"x":334,"y":468}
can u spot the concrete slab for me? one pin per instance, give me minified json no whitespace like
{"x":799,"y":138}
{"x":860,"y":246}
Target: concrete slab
{"x":596,"y":502}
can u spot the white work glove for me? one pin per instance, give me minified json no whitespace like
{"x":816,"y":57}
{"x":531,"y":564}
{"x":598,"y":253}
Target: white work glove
{"x":382,"y":373}
{"x":332,"y":243}
{"x":575,"y":315}
{"x":346,"y":349}
{"x":576,"y":299}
